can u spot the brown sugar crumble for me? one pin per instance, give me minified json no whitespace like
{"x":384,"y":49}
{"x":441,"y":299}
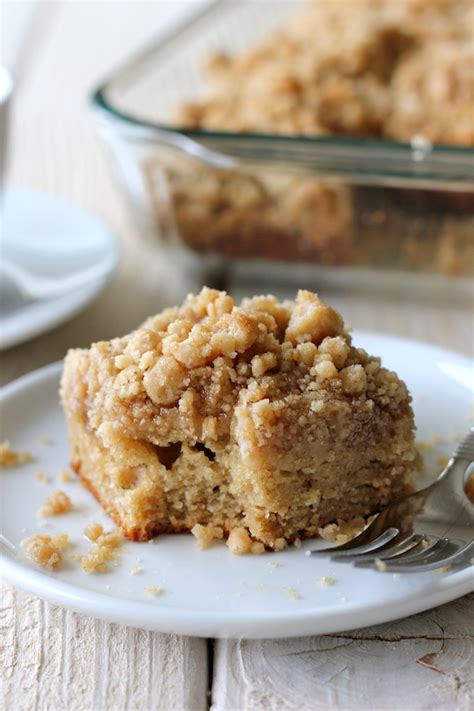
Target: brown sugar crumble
{"x":261,"y":423}
{"x":56,"y":504}
{"x":103,"y":550}
{"x":10,"y":458}
{"x":46,"y":550}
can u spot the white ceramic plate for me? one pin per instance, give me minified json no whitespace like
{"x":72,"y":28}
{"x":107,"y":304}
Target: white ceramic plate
{"x":51,"y":238}
{"x":213,"y":593}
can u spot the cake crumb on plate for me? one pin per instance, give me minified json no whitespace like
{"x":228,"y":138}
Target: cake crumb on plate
{"x":291,"y":593}
{"x":65,"y":476}
{"x":102,"y":551}
{"x":153,"y":590}
{"x":325,"y":580}
{"x":41,"y":477}
{"x":46,"y":550}
{"x":56,"y":504}
{"x":92,"y":531}
{"x":10,"y":458}
{"x":205,"y":535}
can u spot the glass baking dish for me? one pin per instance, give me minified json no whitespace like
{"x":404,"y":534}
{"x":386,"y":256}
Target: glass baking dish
{"x":341,"y":210}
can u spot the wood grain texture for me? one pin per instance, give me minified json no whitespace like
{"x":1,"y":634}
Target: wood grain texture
{"x":54,"y":659}
{"x":421,"y":663}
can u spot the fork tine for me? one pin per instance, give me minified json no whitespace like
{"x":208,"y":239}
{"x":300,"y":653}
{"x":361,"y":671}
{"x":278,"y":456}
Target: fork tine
{"x":462,"y":557}
{"x":465,"y":449}
{"x":406,"y":545}
{"x":376,"y":544}
{"x":435,"y":547}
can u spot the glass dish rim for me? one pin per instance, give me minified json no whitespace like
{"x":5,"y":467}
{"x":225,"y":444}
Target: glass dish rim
{"x":99,"y":101}
{"x":417,"y":160}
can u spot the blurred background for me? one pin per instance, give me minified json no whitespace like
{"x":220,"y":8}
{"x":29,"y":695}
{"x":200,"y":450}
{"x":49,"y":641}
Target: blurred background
{"x":212,"y":150}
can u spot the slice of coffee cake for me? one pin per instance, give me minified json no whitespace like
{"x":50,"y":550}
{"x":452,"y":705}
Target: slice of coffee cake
{"x":261,"y":417}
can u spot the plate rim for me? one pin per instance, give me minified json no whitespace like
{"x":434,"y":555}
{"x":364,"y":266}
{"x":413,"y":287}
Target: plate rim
{"x":84,"y":295}
{"x":285,"y":623}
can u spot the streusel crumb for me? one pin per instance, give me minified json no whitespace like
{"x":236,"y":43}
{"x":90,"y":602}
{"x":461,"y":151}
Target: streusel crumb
{"x":103,"y":550}
{"x":46,"y":550}
{"x":92,"y":531}
{"x":57,"y":503}
{"x":205,"y":535}
{"x":239,"y":541}
{"x":10,"y":458}
{"x":153,"y":590}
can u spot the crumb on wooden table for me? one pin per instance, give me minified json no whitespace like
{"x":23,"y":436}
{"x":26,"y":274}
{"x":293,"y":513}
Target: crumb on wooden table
{"x":46,"y":550}
{"x":10,"y":458}
{"x":56,"y":504}
{"x":153,"y":590}
{"x":102,"y":551}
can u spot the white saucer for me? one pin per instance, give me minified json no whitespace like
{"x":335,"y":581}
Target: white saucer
{"x":213,"y":593}
{"x":51,"y":237}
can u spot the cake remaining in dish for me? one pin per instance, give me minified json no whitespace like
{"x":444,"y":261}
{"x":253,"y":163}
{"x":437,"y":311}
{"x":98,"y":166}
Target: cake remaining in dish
{"x":261,"y":417}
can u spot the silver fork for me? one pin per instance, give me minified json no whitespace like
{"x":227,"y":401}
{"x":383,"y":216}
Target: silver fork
{"x":432,"y":528}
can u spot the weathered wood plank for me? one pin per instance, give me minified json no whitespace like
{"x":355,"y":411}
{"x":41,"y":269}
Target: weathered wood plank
{"x":422,"y":662}
{"x":55,"y":659}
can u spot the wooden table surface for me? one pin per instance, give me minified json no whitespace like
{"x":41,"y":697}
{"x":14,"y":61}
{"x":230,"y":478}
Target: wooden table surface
{"x":57,"y":660}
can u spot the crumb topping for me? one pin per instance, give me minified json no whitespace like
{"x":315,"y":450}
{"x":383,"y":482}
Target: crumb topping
{"x":189,"y":369}
{"x":46,"y":550}
{"x":380,"y":68}
{"x":56,"y":504}
{"x":10,"y":458}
